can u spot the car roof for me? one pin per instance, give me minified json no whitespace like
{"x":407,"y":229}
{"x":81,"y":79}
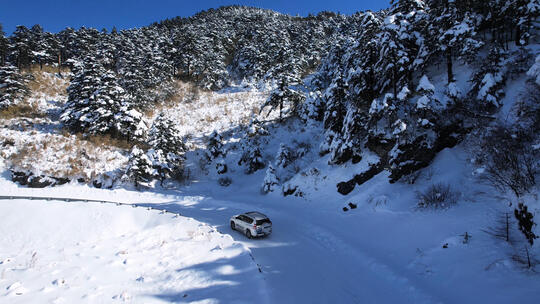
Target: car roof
{"x":256,"y":215}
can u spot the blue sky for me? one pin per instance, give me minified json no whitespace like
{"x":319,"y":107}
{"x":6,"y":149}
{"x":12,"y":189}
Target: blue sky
{"x":54,"y":15}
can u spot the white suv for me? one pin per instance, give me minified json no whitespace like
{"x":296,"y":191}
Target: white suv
{"x":252,"y":224}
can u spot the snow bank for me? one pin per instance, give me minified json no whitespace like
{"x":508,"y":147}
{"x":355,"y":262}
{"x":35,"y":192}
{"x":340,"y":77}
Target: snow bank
{"x":61,"y":252}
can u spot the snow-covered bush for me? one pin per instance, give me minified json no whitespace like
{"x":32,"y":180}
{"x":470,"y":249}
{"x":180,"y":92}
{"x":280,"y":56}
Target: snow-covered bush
{"x":437,"y":196}
{"x":224,"y":181}
{"x":270,"y":180}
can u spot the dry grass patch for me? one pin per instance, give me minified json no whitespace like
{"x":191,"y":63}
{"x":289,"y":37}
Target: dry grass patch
{"x":23,"y":109}
{"x":47,"y":83}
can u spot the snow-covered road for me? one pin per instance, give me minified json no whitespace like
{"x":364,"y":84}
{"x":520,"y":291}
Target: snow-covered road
{"x":306,"y":260}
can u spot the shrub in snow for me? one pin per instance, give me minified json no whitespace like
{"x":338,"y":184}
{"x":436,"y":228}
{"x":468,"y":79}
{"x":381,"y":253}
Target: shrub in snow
{"x":13,"y":86}
{"x":224,"y":181}
{"x":221,"y":167}
{"x":270,"y":180}
{"x":525,"y":222}
{"x":510,"y":162}
{"x":437,"y":196}
{"x":289,"y":189}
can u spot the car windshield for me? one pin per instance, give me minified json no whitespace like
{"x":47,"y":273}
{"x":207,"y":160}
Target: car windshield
{"x":260,"y":222}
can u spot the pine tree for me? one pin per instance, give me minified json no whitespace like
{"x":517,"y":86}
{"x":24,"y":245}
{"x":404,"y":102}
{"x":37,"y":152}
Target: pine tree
{"x":98,"y":105}
{"x":271,"y":181}
{"x":4,"y":46}
{"x":453,"y":32}
{"x":164,"y":135}
{"x":20,"y":46}
{"x":488,"y":82}
{"x":168,"y":149}
{"x":12,"y":86}
{"x":214,"y":146}
{"x":285,"y":94}
{"x":140,"y":168}
{"x":284,"y":156}
{"x":251,"y":157}
{"x":427,"y":105}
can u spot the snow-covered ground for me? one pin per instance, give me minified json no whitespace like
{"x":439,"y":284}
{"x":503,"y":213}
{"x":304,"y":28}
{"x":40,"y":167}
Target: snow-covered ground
{"x":384,"y":251}
{"x":58,"y":252}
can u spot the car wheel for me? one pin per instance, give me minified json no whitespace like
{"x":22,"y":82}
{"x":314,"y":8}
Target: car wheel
{"x":248,"y":233}
{"x":233,"y":226}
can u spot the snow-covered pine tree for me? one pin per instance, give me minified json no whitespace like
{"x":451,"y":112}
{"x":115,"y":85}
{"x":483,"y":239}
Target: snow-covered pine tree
{"x":140,"y":168}
{"x":4,"y":46}
{"x":214,"y":146}
{"x":427,"y":104}
{"x":488,"y":83}
{"x":285,"y":93}
{"x":20,"y":47}
{"x":98,"y":105}
{"x":271,"y":181}
{"x":168,"y":148}
{"x":13,"y":86}
{"x":284,"y":156}
{"x":251,"y":156}
{"x":452,"y":31}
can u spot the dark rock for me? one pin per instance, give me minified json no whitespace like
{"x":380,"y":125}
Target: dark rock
{"x":373,"y":170}
{"x":345,"y":209}
{"x":20,"y":177}
{"x":97,"y":184}
{"x":225,"y":181}
{"x":288,"y":190}
{"x":346,"y":187}
{"x":221,"y":168}
{"x":379,"y":145}
{"x":356,"y":159}
{"x":39,"y":182}
{"x":352,"y":206}
{"x":33,"y":181}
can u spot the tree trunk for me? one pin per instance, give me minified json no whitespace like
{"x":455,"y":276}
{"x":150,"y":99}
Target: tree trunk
{"x":59,"y":63}
{"x":449,"y":65}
